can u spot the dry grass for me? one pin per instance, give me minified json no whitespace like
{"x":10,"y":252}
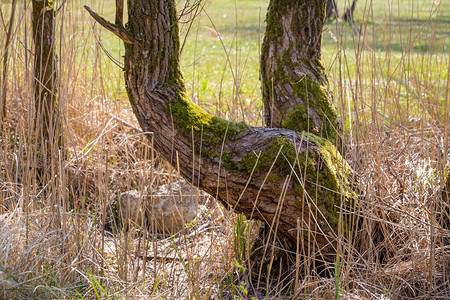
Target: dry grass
{"x":61,"y":240}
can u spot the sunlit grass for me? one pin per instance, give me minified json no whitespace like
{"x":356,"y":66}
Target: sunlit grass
{"x":220,"y":58}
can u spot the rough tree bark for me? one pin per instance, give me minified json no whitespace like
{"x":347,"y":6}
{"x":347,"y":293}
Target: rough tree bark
{"x":285,"y":177}
{"x":295,"y":87}
{"x":48,"y":124}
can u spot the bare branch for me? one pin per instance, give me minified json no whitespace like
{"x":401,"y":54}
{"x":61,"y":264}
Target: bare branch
{"x":119,"y":12}
{"x":114,"y":28}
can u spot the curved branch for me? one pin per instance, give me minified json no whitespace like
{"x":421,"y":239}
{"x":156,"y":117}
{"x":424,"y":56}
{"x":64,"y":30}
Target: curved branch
{"x":117,"y":29}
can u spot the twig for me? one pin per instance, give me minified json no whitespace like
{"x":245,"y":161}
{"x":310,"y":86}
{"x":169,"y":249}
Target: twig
{"x":118,"y":30}
{"x":125,"y":122}
{"x":158,"y":257}
{"x":173,"y":242}
{"x":109,"y":55}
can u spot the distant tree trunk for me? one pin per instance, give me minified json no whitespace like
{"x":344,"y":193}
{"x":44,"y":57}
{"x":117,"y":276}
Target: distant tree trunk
{"x":332,"y":9}
{"x":348,"y":15}
{"x":291,"y":179}
{"x":48,"y":124}
{"x":5,"y":57}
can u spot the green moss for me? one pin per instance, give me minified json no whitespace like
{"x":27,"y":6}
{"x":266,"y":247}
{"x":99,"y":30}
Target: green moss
{"x":336,"y":176}
{"x":315,"y":97}
{"x":219,"y":127}
{"x":279,"y":8}
{"x":267,"y":158}
{"x":273,"y":178}
{"x":311,"y":89}
{"x":323,"y":173}
{"x":249,"y":162}
{"x":228,"y":162}
{"x":189,"y":116}
{"x":299,"y":120}
{"x":322,"y":187}
{"x":212,"y":131}
{"x":337,"y":165}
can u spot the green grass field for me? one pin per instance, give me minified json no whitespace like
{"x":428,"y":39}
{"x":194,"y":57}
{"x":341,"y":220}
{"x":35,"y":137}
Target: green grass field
{"x":220,"y":58}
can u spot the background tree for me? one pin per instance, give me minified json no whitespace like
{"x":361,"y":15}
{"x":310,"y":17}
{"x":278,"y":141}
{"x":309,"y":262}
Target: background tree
{"x":348,"y":15}
{"x":5,"y":57}
{"x":333,"y":12}
{"x":48,"y":123}
{"x":332,"y":9}
{"x":290,"y":177}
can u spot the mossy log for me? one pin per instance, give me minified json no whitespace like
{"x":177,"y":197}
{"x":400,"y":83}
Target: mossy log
{"x":292,"y":179}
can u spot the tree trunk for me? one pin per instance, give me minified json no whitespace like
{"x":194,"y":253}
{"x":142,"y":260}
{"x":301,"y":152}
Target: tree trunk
{"x":292,"y":180}
{"x":5,"y":56}
{"x":295,"y":87}
{"x":48,"y":124}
